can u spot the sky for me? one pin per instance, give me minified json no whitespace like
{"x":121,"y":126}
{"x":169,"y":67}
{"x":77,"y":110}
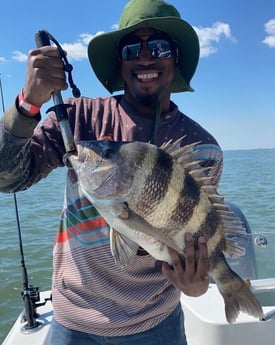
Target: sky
{"x":234,"y":83}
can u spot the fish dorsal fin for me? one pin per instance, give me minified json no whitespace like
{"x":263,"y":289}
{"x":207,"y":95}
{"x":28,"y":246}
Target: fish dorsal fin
{"x":175,"y":150}
{"x":233,"y":228}
{"x":234,"y":231}
{"x":232,"y":225}
{"x":122,"y":248}
{"x":185,"y":155}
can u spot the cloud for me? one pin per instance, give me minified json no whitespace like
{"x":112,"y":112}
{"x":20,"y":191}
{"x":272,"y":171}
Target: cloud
{"x":18,"y":56}
{"x":78,"y":50}
{"x":2,"y":59}
{"x":75,"y":51}
{"x":210,"y":36}
{"x":270,"y":30}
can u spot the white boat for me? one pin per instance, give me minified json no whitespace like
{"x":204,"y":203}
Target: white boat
{"x":205,"y":321}
{"x":21,"y":334}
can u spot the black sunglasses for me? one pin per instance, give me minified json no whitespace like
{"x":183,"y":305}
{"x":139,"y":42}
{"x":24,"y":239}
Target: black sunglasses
{"x":160,"y":46}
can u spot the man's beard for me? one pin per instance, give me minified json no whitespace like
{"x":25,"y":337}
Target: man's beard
{"x":147,"y":100}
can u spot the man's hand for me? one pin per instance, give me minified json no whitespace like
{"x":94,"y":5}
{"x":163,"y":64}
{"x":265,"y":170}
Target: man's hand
{"x":45,"y":74}
{"x":191,"y":275}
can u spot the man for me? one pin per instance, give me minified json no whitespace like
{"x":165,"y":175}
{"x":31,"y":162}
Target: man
{"x":152,"y":54}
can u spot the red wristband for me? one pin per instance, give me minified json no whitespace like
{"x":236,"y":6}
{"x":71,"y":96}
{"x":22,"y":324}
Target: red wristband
{"x":31,"y":108}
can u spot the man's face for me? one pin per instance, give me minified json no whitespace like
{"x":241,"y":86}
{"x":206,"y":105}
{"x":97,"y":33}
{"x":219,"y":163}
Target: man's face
{"x":147,"y":67}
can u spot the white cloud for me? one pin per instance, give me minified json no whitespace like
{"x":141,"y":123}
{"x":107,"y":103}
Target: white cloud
{"x":270,"y":30}
{"x":210,"y":36}
{"x":2,"y":59}
{"x":75,"y":51}
{"x":78,"y":50}
{"x":18,"y":56}
{"x":86,"y":38}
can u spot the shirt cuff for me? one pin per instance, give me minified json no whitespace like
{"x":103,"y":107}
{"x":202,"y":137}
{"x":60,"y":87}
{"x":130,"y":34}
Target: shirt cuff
{"x":18,"y":124}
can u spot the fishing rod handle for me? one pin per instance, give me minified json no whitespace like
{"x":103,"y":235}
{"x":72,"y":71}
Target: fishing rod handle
{"x":41,"y":39}
{"x":60,"y":109}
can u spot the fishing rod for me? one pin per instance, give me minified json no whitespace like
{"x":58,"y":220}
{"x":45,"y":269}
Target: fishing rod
{"x":2,"y":95}
{"x":30,"y":293}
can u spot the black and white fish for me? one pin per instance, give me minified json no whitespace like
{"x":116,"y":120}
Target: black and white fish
{"x":151,"y":197}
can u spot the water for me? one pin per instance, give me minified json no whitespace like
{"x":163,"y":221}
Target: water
{"x":39,"y":211}
{"x":248,"y":181}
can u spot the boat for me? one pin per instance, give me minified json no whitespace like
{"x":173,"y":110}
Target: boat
{"x":205,"y":320}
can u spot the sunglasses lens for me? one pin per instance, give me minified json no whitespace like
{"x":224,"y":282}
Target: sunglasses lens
{"x":130,"y":51}
{"x":160,"y":49}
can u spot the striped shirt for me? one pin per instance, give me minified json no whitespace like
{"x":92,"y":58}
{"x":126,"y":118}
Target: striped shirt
{"x":90,"y":292}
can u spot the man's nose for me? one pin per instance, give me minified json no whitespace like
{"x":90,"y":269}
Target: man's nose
{"x":145,"y":54}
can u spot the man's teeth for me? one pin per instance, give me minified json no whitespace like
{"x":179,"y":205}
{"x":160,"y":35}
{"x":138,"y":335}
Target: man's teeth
{"x":147,"y":76}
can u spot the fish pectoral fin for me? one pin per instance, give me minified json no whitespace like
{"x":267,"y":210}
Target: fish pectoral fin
{"x":122,"y":248}
{"x":134,"y":221}
{"x":120,"y":210}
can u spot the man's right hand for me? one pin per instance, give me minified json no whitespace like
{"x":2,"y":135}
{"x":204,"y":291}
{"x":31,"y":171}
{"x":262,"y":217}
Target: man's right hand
{"x":45,"y":74}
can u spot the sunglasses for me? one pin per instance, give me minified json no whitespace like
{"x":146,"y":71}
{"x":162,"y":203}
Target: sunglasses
{"x":159,"y":45}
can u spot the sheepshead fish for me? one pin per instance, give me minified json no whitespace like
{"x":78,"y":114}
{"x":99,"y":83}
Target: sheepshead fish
{"x":151,"y":196}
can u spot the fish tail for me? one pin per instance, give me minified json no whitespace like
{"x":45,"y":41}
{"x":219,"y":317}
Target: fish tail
{"x":237,"y":295}
{"x":241,"y":300}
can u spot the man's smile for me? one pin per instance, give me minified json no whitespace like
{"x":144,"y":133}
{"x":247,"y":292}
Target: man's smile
{"x":147,"y":76}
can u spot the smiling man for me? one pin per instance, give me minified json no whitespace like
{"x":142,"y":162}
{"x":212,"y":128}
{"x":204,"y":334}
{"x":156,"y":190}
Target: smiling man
{"x":153,"y":54}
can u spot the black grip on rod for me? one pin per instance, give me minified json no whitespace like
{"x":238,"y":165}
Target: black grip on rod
{"x":42,"y":39}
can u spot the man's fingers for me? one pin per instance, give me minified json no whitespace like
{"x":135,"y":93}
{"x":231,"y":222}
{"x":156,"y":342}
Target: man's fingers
{"x":190,"y":257}
{"x":203,"y":260}
{"x":176,"y":260}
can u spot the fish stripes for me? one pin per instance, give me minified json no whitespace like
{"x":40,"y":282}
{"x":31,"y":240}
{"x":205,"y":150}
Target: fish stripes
{"x":211,"y":224}
{"x":152,"y":192}
{"x":189,"y":198}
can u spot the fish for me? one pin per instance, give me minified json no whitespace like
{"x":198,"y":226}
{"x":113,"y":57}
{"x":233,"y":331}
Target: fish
{"x":151,"y":197}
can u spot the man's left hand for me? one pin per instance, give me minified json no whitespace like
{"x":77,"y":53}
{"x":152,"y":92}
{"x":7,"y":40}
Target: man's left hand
{"x":189,"y":275}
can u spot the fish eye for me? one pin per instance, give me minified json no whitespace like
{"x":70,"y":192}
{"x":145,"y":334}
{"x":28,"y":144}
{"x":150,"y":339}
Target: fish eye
{"x":107,"y":153}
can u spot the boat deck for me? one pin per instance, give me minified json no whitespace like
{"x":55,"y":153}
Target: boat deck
{"x":205,"y":320}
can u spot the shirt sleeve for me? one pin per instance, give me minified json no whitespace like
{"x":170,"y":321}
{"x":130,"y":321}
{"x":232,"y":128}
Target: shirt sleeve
{"x":24,"y":149}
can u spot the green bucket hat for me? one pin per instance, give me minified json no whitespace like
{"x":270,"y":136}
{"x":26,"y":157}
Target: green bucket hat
{"x":102,"y":49}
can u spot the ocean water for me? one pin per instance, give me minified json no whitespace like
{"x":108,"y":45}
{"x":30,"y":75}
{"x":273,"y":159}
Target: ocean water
{"x":248,"y":181}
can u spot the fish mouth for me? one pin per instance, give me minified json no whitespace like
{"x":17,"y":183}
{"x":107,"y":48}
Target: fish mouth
{"x":71,"y":160}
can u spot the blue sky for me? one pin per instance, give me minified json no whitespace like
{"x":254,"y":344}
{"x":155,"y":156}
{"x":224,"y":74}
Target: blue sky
{"x":234,"y":83}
